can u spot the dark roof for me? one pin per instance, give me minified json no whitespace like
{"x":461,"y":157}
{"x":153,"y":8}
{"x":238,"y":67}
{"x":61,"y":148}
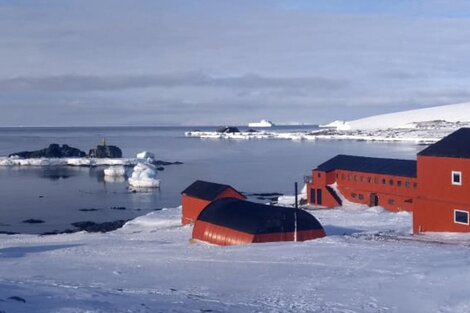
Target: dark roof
{"x":455,"y":145}
{"x":255,"y":218}
{"x":205,"y":190}
{"x":406,"y":168}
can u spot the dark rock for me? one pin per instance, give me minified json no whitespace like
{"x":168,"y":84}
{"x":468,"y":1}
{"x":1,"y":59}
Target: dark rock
{"x":165,"y":163}
{"x":16,"y":298}
{"x":41,"y":197}
{"x":53,"y":151}
{"x":88,"y":210}
{"x":93,"y":227}
{"x":105,"y":151}
{"x":121,"y":208}
{"x":8,"y":232}
{"x":57,"y":232}
{"x":228,"y":129}
{"x":160,"y":168}
{"x":33,"y":221}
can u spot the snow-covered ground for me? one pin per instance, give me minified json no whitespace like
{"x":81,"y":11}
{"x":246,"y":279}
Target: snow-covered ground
{"x":150,"y":265}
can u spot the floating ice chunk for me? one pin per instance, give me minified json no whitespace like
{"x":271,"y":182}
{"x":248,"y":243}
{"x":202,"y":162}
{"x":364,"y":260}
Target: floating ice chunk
{"x":144,"y":176}
{"x":145,"y":155}
{"x":114,"y":179}
{"x":115,"y":171}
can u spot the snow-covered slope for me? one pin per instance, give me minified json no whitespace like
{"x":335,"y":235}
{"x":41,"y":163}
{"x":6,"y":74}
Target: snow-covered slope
{"x":408,"y":119}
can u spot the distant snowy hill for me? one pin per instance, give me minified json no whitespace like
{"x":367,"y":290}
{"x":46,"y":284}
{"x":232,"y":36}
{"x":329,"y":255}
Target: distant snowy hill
{"x":410,"y":119}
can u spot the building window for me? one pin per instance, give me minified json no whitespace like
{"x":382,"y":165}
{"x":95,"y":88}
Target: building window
{"x":369,"y":180}
{"x":384,"y":182}
{"x":361,"y":179}
{"x":354,"y":195}
{"x":343,"y":176}
{"x":391,"y":182}
{"x":399,"y":183}
{"x":461,"y":217}
{"x":391,"y":201}
{"x":361,"y":196}
{"x":456,"y":178}
{"x":415,"y":185}
{"x":319,"y":174}
{"x":376,"y":180}
{"x":349,"y":177}
{"x":407,"y":184}
{"x":337,"y":175}
{"x":355,"y":177}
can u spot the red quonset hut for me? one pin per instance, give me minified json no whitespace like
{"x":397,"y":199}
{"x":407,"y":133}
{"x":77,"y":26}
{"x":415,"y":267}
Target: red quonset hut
{"x":390,"y":183}
{"x":443,"y":202}
{"x":200,"y":194}
{"x":227,"y":222}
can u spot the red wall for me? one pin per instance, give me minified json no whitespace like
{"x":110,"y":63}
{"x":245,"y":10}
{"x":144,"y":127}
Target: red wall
{"x":192,"y":207}
{"x":356,"y":187}
{"x":224,"y":236}
{"x":438,"y":197}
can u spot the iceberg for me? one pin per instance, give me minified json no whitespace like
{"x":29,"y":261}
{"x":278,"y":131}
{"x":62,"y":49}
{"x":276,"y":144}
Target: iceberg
{"x":262,"y":123}
{"x":145,"y":155}
{"x":144,"y":176}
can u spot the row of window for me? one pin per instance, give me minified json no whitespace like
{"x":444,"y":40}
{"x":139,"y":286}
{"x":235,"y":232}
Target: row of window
{"x":360,"y":196}
{"x":375,"y":180}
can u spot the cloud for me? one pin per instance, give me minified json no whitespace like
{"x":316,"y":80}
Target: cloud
{"x":100,"y":83}
{"x":82,"y":62}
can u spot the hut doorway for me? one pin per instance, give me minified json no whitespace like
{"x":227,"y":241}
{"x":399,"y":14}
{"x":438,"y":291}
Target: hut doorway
{"x":374,"y":200}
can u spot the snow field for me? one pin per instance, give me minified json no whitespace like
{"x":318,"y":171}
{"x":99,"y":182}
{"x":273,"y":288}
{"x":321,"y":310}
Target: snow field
{"x":150,"y":266}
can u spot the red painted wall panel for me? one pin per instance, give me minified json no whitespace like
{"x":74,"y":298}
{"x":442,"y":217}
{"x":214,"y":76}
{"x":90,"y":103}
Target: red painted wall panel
{"x":223,"y":236}
{"x":438,"y":197}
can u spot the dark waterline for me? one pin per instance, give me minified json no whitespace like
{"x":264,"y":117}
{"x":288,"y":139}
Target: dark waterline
{"x":62,"y":195}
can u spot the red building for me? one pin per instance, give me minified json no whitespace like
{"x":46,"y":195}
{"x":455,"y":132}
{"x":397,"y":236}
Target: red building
{"x":436,"y":187}
{"x":389,"y":183}
{"x":199,"y":194}
{"x":443,"y":202}
{"x":227,"y":222}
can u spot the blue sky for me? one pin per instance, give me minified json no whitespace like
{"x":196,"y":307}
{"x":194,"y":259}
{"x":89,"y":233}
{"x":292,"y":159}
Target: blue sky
{"x":227,"y":62}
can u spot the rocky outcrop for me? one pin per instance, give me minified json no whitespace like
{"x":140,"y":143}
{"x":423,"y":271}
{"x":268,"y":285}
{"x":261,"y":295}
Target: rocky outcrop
{"x":53,"y":151}
{"x":105,"y":151}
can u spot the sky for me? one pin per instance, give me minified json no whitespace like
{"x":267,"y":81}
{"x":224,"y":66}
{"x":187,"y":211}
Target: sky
{"x":217,"y":62}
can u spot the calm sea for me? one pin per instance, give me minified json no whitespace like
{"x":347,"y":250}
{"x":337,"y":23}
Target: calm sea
{"x":60,"y":196}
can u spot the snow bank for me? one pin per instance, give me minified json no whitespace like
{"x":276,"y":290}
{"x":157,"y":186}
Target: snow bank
{"x":162,"y":219}
{"x":144,"y":176}
{"x":89,"y":162}
{"x":115,"y":171}
{"x":289,"y":200}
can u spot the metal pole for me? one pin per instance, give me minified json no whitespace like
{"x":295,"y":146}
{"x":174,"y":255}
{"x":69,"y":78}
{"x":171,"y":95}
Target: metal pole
{"x":295,"y":213}
{"x":295,"y":193}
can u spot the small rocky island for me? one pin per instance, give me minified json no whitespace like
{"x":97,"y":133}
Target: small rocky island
{"x":53,"y":151}
{"x":65,"y":151}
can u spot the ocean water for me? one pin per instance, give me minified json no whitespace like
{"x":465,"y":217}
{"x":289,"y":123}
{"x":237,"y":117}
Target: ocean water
{"x":62,"y":195}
